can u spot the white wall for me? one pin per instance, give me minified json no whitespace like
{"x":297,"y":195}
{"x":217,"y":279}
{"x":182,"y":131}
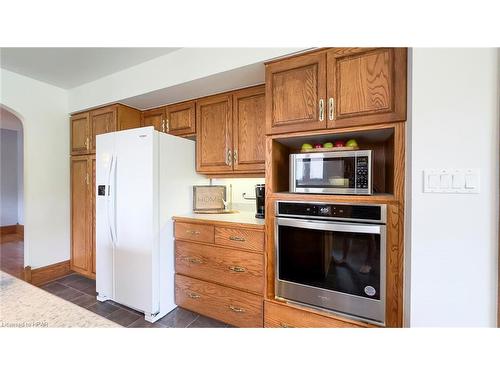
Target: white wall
{"x":43,"y":110}
{"x":176,"y":68}
{"x":20,"y":178}
{"x":8,"y":177}
{"x":453,"y":243}
{"x":240,"y":186}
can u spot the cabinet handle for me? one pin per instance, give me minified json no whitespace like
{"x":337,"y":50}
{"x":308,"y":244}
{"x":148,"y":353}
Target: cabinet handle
{"x":168,"y":126}
{"x":229,"y":158}
{"x":321,"y":110}
{"x":331,"y":109}
{"x":284,"y":325}
{"x":235,"y":238}
{"x":193,"y":232}
{"x":87,"y":178}
{"x":163,"y":126}
{"x":193,"y":295}
{"x":235,"y":156}
{"x":236,"y":309}
{"x":87,"y":143}
{"x":237,"y":269}
{"x":194,"y":260}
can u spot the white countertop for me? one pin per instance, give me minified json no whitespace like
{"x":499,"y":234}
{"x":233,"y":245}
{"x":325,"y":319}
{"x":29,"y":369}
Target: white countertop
{"x":25,"y":305}
{"x":242,"y":217}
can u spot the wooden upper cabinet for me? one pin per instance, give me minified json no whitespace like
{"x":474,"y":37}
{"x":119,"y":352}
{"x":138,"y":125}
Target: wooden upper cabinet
{"x":127,"y":117}
{"x":214,"y":134}
{"x":295,"y":91}
{"x":81,"y":215}
{"x":181,"y":118}
{"x":249,"y":119}
{"x":366,"y":86}
{"x":80,"y":134}
{"x":102,"y":121}
{"x":154,"y":117}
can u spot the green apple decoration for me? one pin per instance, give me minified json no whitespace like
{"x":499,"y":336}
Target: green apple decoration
{"x":307,"y":146}
{"x":351,"y":143}
{"x":328,"y":145}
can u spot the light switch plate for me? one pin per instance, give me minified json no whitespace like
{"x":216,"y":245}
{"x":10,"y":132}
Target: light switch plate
{"x":451,"y":180}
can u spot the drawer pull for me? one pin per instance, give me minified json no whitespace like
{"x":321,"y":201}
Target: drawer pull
{"x":284,"y":325}
{"x":236,"y":309}
{"x":237,"y":269}
{"x":236,"y":238}
{"x":193,"y":232}
{"x":193,"y":295}
{"x":194,"y":260}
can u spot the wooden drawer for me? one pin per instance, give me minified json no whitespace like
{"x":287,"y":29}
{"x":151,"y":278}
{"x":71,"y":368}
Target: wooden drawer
{"x":277,"y":315}
{"x":241,"y":238}
{"x":240,"y":269}
{"x":237,"y":308}
{"x":194,"y":232}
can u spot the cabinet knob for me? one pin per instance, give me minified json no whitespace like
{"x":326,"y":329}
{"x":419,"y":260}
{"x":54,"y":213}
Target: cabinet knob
{"x":193,"y":232}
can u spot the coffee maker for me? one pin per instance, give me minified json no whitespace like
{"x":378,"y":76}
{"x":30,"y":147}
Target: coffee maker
{"x":260,"y":199}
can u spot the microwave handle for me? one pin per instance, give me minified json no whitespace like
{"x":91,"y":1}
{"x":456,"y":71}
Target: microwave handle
{"x":333,"y":227}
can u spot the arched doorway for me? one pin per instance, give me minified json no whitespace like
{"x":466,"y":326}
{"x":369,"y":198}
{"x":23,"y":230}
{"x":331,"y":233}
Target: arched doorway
{"x":11,"y":193}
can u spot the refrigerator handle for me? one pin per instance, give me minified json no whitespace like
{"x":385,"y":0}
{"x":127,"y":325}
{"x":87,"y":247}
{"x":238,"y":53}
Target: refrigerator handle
{"x":108,"y":201}
{"x":115,"y":234}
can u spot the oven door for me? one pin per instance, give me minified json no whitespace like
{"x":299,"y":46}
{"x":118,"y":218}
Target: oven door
{"x":333,"y":265}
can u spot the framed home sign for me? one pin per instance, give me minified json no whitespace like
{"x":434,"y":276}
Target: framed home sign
{"x":209,"y":198}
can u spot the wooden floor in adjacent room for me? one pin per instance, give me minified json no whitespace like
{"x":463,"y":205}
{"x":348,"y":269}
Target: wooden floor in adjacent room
{"x":12,"y":255}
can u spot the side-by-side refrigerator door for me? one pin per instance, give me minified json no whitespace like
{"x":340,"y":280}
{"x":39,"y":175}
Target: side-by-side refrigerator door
{"x":105,"y":214}
{"x":136,"y":251}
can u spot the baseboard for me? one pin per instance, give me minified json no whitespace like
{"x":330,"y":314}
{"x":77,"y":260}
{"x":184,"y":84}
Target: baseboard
{"x":43,"y":275}
{"x":20,"y":229}
{"x":8,"y":229}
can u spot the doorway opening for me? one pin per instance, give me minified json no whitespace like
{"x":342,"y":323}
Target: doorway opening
{"x":11,"y":194}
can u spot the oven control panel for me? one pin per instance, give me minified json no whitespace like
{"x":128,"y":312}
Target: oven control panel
{"x":374,"y":213}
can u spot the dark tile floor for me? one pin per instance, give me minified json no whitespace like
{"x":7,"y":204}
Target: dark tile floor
{"x":81,"y":291}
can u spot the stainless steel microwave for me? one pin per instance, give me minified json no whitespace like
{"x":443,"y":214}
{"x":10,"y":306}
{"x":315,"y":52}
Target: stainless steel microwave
{"x":336,"y":172}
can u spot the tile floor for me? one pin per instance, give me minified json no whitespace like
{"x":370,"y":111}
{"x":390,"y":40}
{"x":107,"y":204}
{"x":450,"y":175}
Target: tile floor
{"x":81,"y":291}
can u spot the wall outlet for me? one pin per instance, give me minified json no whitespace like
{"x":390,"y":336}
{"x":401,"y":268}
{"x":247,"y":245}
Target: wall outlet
{"x":452,"y":180}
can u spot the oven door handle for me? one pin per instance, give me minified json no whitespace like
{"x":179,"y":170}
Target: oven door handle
{"x":329,"y":226}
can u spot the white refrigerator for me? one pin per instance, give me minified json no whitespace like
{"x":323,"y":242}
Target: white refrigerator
{"x":143,"y":178}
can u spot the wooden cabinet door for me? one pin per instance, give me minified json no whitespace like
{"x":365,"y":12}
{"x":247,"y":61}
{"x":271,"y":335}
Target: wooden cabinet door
{"x":213,"y":134}
{"x":154,"y":117}
{"x":249,"y":138}
{"x":80,"y":134}
{"x":127,"y":117}
{"x":295,"y":91}
{"x":181,"y":119}
{"x":102,"y":121}
{"x":366,"y":86}
{"x":80,"y":214}
{"x":93,"y":196}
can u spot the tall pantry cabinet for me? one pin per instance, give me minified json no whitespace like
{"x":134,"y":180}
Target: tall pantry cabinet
{"x":84,"y":129}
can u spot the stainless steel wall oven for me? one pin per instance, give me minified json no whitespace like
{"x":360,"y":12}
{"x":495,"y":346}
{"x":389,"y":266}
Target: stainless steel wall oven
{"x":332,"y":256}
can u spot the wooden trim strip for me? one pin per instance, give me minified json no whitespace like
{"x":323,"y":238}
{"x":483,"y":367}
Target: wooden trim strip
{"x":43,"y":275}
{"x":8,"y":229}
{"x":20,"y":229}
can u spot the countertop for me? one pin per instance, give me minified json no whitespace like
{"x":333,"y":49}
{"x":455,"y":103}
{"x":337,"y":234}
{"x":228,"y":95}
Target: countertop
{"x":242,"y":217}
{"x":25,"y":305}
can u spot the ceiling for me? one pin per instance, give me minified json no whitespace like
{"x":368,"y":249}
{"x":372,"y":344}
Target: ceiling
{"x":70,"y":67}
